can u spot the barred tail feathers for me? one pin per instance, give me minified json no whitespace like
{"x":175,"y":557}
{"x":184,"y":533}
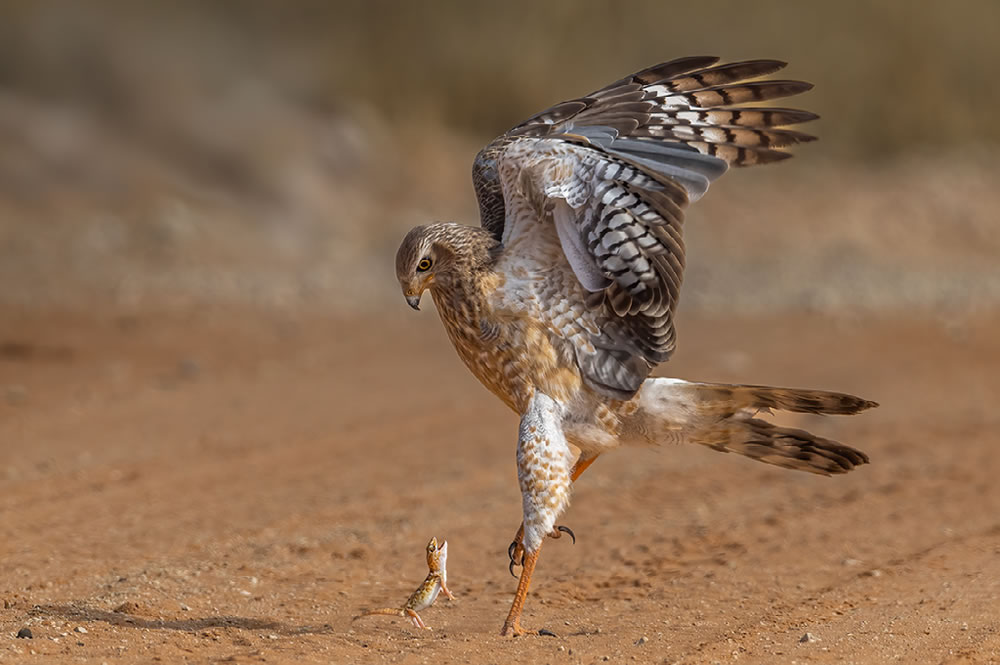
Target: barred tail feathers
{"x":722,"y":417}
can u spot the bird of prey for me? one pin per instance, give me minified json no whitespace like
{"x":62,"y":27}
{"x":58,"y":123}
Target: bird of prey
{"x":563,"y":301}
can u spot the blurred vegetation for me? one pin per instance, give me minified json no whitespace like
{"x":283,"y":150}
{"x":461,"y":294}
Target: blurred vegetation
{"x":272,"y":151}
{"x":892,"y":76}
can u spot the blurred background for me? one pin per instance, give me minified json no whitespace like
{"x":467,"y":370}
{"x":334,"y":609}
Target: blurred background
{"x":223,"y":433}
{"x":166,"y":153}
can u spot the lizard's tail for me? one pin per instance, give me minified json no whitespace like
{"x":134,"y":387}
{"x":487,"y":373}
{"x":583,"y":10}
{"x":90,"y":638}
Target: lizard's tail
{"x":389,"y":611}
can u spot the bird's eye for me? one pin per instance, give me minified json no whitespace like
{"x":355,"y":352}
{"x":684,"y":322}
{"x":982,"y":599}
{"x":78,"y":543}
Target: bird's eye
{"x":424,"y":265}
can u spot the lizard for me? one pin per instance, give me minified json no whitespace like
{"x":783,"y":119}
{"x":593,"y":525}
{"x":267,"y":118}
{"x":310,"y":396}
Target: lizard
{"x":425,"y":595}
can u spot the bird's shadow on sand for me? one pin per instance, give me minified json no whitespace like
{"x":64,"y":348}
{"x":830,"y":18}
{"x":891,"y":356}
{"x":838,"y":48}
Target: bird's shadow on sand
{"x":125,"y":620}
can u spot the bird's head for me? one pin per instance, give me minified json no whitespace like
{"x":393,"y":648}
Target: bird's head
{"x":442,"y":256}
{"x":424,"y":256}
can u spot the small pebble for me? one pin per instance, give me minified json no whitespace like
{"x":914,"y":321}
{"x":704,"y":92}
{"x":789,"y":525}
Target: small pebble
{"x":808,"y":637}
{"x":188,"y":368}
{"x":272,"y":636}
{"x":80,"y":629}
{"x":185,"y":608}
{"x":547,"y":632}
{"x":24,"y":634}
{"x":16,"y":394}
{"x":561,"y":648}
{"x":642,"y":640}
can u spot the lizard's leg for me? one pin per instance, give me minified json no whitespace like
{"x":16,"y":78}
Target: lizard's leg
{"x":516,"y":551}
{"x":416,"y":618}
{"x":446,"y":591}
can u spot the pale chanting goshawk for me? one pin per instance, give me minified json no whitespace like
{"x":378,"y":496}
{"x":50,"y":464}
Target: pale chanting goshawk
{"x":563,"y":301}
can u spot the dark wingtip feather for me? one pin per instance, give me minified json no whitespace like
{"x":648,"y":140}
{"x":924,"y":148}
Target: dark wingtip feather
{"x":690,"y":61}
{"x":671,"y":68}
{"x":765,"y":157}
{"x":850,"y":404}
{"x":774,"y":88}
{"x":784,"y":88}
{"x":761,"y":67}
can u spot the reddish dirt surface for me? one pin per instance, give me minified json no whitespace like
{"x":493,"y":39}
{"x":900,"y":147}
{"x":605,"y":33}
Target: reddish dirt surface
{"x":235,"y":486}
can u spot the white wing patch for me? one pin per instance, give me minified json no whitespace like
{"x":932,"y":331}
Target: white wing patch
{"x":579,"y":257}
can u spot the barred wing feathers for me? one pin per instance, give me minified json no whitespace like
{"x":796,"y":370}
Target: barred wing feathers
{"x":607,"y":176}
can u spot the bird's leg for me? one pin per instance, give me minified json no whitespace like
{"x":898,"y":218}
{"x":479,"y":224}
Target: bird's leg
{"x":513,"y":623}
{"x":544,"y":465}
{"x":516,"y":551}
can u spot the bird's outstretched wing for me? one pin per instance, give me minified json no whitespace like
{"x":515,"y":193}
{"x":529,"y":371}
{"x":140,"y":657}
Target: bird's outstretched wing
{"x":605,"y":179}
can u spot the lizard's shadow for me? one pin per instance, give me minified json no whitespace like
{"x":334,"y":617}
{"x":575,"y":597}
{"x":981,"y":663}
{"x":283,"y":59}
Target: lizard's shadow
{"x":125,"y":620}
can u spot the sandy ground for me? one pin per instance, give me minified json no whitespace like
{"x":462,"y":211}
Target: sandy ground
{"x":234,"y":486}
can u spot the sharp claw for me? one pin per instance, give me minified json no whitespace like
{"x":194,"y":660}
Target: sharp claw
{"x":566,"y":529}
{"x":511,"y":553}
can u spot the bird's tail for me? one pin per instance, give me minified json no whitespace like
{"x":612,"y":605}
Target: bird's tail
{"x":723,"y":417}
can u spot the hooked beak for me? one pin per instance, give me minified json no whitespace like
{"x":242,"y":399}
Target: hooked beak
{"x":413,"y":301}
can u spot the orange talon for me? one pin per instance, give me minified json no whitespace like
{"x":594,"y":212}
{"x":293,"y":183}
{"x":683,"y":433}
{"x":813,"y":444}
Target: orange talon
{"x":513,"y":623}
